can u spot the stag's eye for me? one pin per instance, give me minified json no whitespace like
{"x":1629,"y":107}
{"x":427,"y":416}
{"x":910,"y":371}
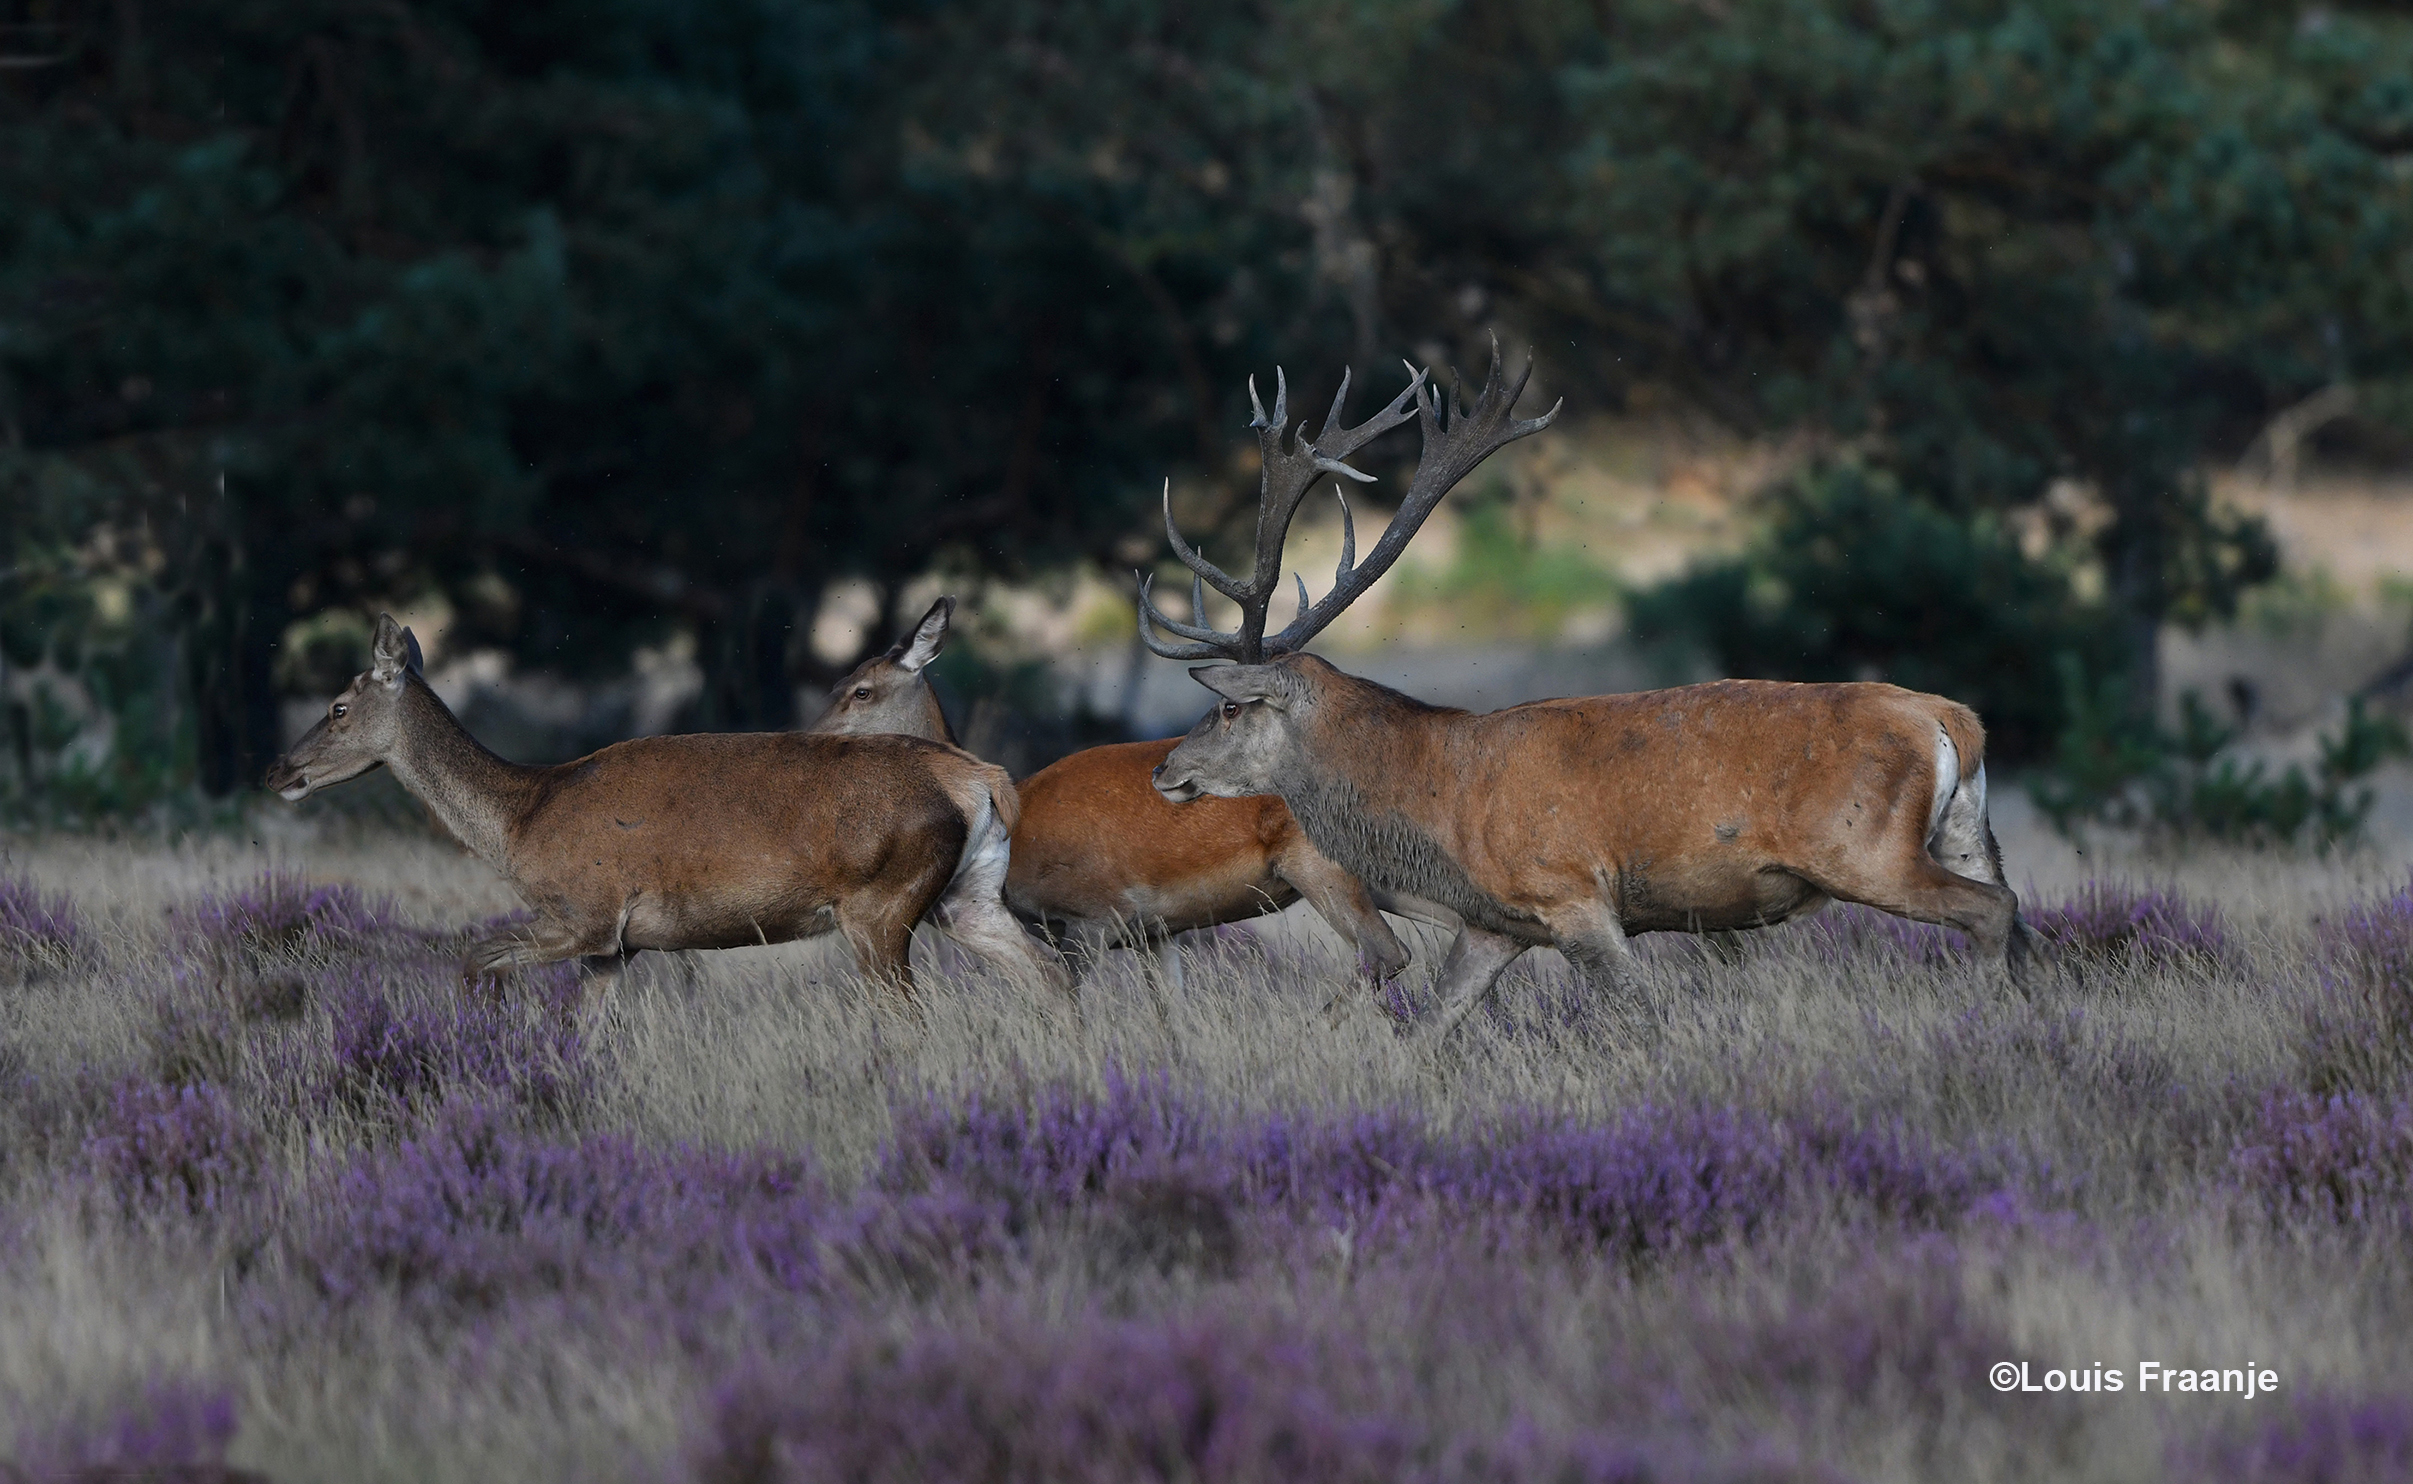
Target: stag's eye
{"x":1231,"y":710}
{"x":337,"y":710}
{"x":862,"y":692}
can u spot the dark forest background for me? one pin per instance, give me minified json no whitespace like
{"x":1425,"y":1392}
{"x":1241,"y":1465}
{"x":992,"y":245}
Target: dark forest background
{"x":609,"y":319}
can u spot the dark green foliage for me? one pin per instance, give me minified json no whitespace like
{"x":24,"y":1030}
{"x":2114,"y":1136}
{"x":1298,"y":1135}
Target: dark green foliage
{"x":603,"y":320}
{"x":2114,"y":766}
{"x":1852,"y":580}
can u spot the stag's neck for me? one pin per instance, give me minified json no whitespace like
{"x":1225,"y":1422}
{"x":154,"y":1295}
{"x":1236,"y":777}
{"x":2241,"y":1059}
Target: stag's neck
{"x":472,"y":793}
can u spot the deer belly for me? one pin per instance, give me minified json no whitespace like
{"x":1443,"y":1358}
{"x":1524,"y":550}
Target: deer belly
{"x":1657,"y":897}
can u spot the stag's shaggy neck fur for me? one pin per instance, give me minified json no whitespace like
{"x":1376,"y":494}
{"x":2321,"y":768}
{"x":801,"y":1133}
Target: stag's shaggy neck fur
{"x":1380,"y":822}
{"x":472,"y":792}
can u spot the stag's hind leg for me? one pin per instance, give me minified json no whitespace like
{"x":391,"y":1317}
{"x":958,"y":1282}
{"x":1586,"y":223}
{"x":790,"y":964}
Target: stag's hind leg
{"x":1963,"y":843}
{"x":1903,"y":878}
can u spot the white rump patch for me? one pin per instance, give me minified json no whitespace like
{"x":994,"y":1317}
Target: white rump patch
{"x":1956,"y":830}
{"x":988,"y":850}
{"x":1947,"y":781}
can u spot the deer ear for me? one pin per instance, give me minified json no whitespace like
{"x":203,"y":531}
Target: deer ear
{"x":1244,"y":683}
{"x":413,"y":660}
{"x":929,"y":637}
{"x":392,"y":651}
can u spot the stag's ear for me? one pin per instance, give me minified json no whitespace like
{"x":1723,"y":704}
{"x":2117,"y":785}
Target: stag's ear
{"x":1245,"y":683}
{"x":927,"y":639}
{"x":413,"y":660}
{"x":392,"y":651}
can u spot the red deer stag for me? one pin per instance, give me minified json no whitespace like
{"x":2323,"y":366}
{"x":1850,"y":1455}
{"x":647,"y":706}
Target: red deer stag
{"x":695,"y":842}
{"x":1574,"y":823}
{"x":1100,"y":858}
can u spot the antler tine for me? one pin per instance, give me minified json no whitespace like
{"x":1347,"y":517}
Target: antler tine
{"x":1305,"y":602}
{"x":1290,"y":464}
{"x":1281,"y":402}
{"x":1194,"y":559}
{"x":1210,"y":646}
{"x":1348,"y":538}
{"x":1332,"y":419}
{"x":1453,"y":445}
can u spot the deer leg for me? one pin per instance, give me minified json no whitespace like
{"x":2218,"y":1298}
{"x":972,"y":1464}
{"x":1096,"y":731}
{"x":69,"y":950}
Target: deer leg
{"x":881,"y":934}
{"x":543,"y":941}
{"x":1347,"y":908}
{"x":1923,"y":890}
{"x":1468,"y":971}
{"x":1593,"y":939}
{"x":1168,"y":963}
{"x":972,"y":911}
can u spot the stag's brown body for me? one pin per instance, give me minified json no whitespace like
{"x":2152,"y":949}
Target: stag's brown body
{"x":1571,"y":823}
{"x":1101,"y":858}
{"x":699,"y":841}
{"x":1729,"y":805}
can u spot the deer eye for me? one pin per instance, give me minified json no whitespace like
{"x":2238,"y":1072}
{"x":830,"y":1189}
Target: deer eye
{"x":862,"y":692}
{"x":1231,"y":710}
{"x":337,"y":710}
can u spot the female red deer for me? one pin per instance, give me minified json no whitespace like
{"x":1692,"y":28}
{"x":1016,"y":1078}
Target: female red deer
{"x":695,"y":842}
{"x":1575,"y":822}
{"x":1100,"y":858}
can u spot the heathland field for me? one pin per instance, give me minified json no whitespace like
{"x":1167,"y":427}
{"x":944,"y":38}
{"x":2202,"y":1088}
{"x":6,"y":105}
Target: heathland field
{"x":279,"y":1195}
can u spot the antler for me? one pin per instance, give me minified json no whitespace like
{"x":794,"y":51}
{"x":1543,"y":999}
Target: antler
{"x":1452,"y":448}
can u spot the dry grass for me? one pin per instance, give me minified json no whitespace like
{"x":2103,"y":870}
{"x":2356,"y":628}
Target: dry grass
{"x":2120,"y":1091}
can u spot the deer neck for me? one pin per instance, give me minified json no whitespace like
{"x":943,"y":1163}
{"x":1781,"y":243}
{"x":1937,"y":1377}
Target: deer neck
{"x":472,"y":793}
{"x":1375,"y":788}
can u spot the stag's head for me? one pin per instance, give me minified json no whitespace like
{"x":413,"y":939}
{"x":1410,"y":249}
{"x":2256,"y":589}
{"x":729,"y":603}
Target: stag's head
{"x":362,"y":726}
{"x":1254,"y":739}
{"x":889,"y":693}
{"x":1238,"y":748}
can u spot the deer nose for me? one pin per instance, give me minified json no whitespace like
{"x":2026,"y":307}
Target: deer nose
{"x":1157,"y":773}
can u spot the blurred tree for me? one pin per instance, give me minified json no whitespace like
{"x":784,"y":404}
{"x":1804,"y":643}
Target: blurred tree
{"x":606,"y":319}
{"x":610,"y":318}
{"x":1982,"y":244}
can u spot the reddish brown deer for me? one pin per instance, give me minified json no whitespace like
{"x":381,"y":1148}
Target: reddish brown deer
{"x":1575,"y":823}
{"x":695,"y":842}
{"x":1100,"y":858}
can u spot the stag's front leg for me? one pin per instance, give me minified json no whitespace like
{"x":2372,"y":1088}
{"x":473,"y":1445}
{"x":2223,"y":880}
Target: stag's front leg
{"x":1473,"y":964}
{"x":543,"y":941}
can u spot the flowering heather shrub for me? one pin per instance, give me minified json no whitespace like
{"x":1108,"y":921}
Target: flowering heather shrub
{"x":1654,"y":1179}
{"x":1897,"y":1318}
{"x":475,"y":1212}
{"x":174,"y":1150}
{"x":2345,"y":1158}
{"x":2115,"y":923}
{"x":176,"y":1431}
{"x":1993,"y":1049}
{"x":1022,"y":1400}
{"x":1849,"y":933}
{"x":393,"y":1049}
{"x":37,"y":931}
{"x":2359,"y":1032}
{"x":281,"y":913}
{"x":2316,"y":1440}
{"x":1205,"y":1397}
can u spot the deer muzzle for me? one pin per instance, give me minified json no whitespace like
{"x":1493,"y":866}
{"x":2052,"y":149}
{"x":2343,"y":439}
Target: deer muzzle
{"x":287,"y":780}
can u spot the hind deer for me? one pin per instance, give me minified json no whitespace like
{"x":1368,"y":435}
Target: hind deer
{"x":695,"y":842}
{"x":1572,"y":823}
{"x":1102,"y":860}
